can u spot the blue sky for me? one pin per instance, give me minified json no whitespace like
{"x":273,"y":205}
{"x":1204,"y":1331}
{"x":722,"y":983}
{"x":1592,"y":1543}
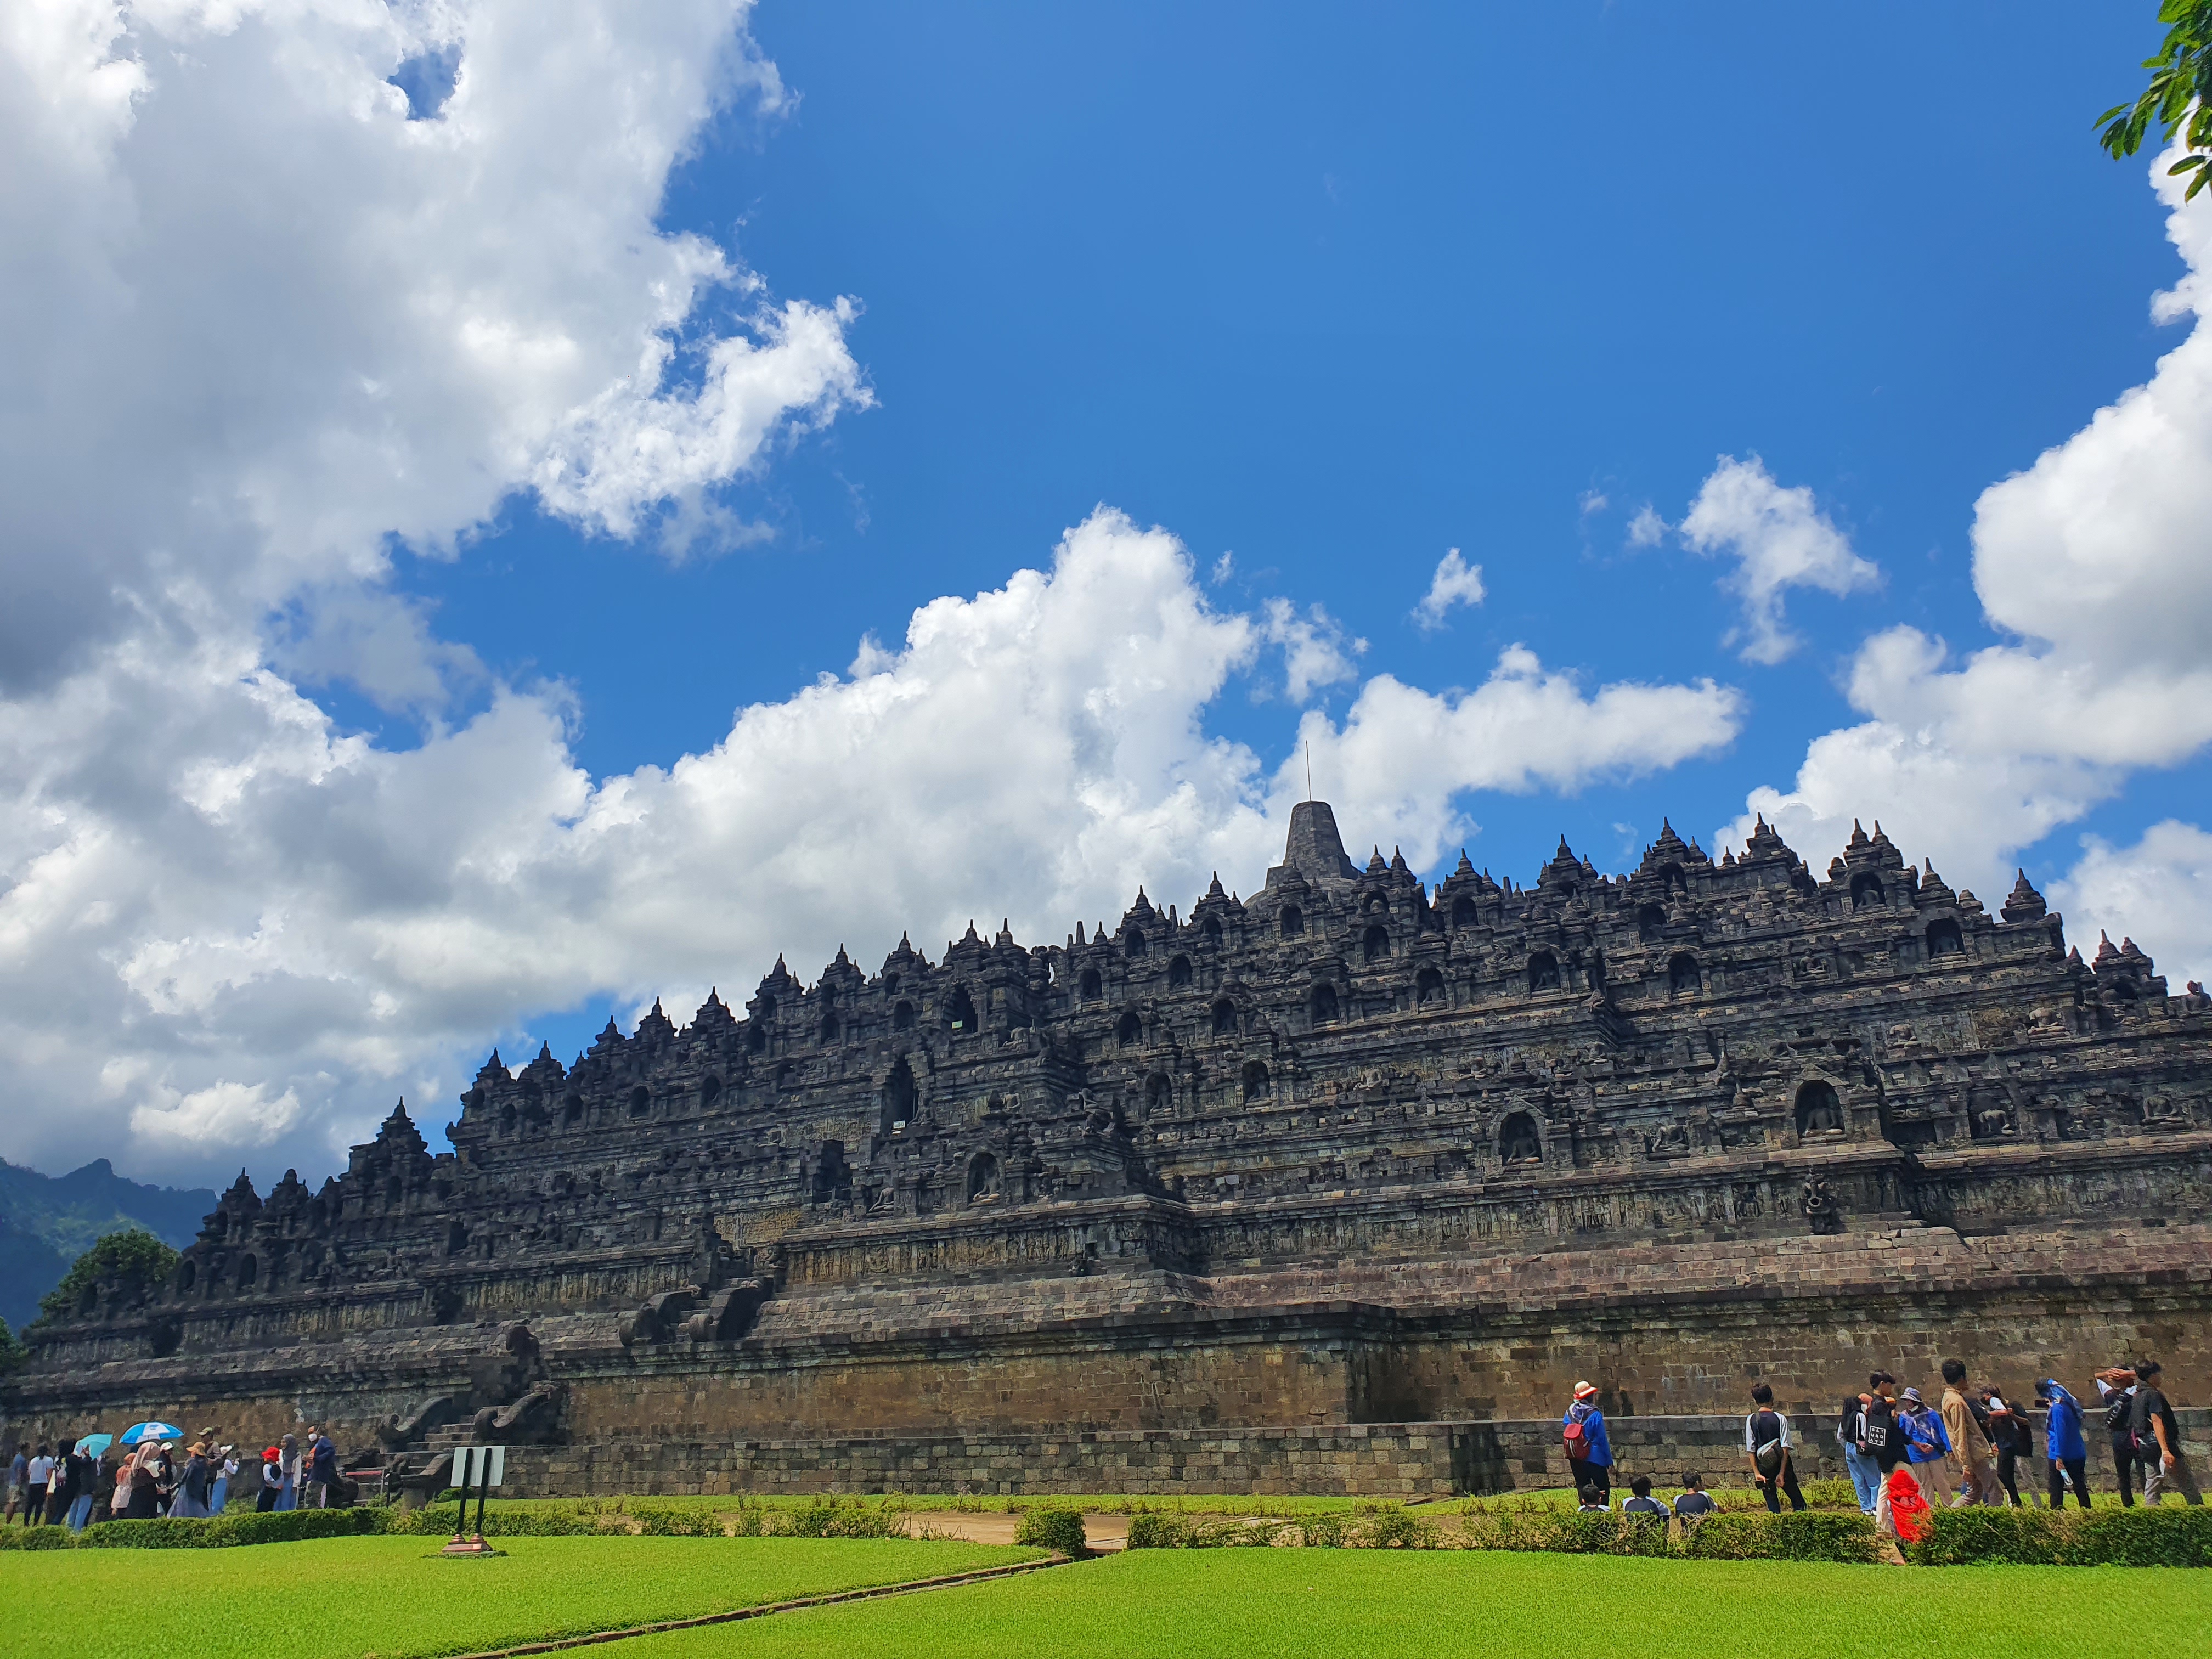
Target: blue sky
{"x":1340,"y":291}
{"x":1330,"y":290}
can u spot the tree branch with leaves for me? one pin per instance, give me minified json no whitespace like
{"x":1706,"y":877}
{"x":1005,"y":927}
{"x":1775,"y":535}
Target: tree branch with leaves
{"x":2180,"y":90}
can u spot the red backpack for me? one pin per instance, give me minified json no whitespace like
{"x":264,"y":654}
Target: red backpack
{"x":1577,"y":1437}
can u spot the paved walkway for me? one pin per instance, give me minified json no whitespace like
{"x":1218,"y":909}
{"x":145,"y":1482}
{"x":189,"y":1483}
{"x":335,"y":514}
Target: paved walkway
{"x":1103,"y":1532}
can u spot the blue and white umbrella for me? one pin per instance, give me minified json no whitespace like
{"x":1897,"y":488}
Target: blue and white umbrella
{"x":138,"y":1431}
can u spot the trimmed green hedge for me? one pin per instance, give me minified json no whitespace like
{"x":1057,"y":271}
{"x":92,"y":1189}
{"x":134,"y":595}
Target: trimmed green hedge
{"x":1569,"y":1532}
{"x":1060,"y":1530}
{"x":2117,"y":1537}
{"x":224,"y":1531}
{"x":1807,"y":1535}
{"x":1793,"y":1536}
{"x":37,"y":1538}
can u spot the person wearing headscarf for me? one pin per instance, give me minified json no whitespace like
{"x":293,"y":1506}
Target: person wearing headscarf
{"x":273,"y":1481}
{"x":144,"y":1501}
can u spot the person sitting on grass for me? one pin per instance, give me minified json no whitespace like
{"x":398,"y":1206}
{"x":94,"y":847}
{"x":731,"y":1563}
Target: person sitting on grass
{"x":1643,"y":1506}
{"x":1593,"y":1502}
{"x":1693,"y":1502}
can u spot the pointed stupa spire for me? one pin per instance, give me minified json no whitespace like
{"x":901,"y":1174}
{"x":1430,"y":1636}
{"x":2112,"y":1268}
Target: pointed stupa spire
{"x":1463,"y":868}
{"x":1214,"y":887}
{"x":2024,"y":903}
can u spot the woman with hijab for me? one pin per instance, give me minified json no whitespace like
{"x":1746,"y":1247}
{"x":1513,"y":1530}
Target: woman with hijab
{"x":288,"y":1460}
{"x":144,"y":1501}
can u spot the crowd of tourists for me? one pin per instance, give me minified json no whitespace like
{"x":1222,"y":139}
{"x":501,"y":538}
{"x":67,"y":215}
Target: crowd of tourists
{"x":1905,"y":1455}
{"x":98,"y":1479}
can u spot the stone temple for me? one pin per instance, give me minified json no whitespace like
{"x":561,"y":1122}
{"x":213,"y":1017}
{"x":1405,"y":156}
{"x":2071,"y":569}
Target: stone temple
{"x":1338,"y":1187}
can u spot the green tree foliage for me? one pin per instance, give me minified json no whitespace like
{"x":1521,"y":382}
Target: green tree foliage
{"x":134,"y":1255}
{"x":2180,"y":89}
{"x":13,"y":1353}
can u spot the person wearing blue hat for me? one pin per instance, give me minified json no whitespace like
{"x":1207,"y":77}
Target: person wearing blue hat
{"x":2063,"y":1442}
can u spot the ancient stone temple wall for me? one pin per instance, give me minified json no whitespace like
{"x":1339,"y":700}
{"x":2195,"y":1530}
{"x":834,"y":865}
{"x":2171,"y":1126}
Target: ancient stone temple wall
{"x":1351,"y":1151}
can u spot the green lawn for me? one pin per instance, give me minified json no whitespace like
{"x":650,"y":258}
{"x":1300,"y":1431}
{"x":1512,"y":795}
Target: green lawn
{"x":341,"y":1597}
{"x":1217,"y":1604}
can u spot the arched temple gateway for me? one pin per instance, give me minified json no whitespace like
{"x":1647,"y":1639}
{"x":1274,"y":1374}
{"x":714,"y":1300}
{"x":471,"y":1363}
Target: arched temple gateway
{"x":1340,"y":1187}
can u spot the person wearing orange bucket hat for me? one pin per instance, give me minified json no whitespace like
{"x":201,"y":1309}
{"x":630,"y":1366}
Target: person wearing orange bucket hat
{"x":1590,"y":1455}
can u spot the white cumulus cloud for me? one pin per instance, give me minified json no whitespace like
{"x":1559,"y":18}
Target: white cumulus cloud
{"x":1779,"y":538}
{"x":1317,"y":651}
{"x":259,"y":321}
{"x":1455,"y":582}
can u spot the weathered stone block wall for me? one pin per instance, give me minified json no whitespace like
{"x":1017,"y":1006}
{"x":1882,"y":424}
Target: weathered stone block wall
{"x":1107,"y":1379}
{"x":1408,"y":1460}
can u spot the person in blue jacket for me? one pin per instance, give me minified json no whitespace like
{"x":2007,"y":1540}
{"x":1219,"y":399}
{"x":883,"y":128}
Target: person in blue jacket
{"x":2063,"y":1442}
{"x":1584,"y":1426}
{"x":1925,"y":1441}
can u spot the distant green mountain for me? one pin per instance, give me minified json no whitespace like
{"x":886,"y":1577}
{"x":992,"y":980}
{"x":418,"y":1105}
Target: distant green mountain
{"x":46,"y":1221}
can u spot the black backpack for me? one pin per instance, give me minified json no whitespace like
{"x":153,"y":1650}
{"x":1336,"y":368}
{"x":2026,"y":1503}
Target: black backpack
{"x":1980,"y":1413}
{"x":2117,"y":1413}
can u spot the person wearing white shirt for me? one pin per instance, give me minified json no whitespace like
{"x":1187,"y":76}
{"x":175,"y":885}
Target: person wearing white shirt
{"x":1767,"y":1443}
{"x":34,"y":1503}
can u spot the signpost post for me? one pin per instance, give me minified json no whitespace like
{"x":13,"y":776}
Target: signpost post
{"x":480,"y":1467}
